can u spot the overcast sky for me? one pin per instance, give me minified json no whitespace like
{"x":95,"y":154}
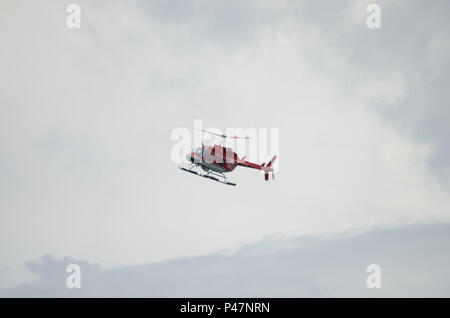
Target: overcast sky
{"x":86,"y":117}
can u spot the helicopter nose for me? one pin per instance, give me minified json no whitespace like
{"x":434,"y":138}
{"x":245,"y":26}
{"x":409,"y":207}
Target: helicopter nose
{"x":189,"y":158}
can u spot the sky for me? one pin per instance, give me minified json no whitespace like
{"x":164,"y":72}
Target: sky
{"x":86,"y":117}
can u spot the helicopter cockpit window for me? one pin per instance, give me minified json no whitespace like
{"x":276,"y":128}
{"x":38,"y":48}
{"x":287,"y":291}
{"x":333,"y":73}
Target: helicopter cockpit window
{"x":198,"y":151}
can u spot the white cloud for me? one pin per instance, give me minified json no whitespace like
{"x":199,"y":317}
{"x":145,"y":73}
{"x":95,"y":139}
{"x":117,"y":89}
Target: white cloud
{"x":87,"y":114}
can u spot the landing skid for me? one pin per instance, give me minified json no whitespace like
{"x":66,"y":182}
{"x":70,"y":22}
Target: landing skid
{"x":219,"y":177}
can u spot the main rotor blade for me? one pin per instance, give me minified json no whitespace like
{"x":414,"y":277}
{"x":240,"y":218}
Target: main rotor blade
{"x":238,"y":137}
{"x":210,"y":132}
{"x":223,"y":136}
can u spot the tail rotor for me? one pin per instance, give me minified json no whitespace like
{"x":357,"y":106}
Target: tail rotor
{"x":269,"y":169}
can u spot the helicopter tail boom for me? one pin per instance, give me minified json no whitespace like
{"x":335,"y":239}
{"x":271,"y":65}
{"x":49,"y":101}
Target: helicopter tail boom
{"x":266,"y":168}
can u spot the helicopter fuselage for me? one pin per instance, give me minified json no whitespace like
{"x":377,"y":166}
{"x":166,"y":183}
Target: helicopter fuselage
{"x":215,"y":158}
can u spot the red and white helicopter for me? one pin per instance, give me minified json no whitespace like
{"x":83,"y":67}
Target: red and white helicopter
{"x":217,"y":160}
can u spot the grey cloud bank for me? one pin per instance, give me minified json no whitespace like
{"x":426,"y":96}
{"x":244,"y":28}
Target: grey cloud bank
{"x":414,"y":262}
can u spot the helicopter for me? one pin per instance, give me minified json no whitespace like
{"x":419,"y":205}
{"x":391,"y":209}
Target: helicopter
{"x":213,"y":161}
